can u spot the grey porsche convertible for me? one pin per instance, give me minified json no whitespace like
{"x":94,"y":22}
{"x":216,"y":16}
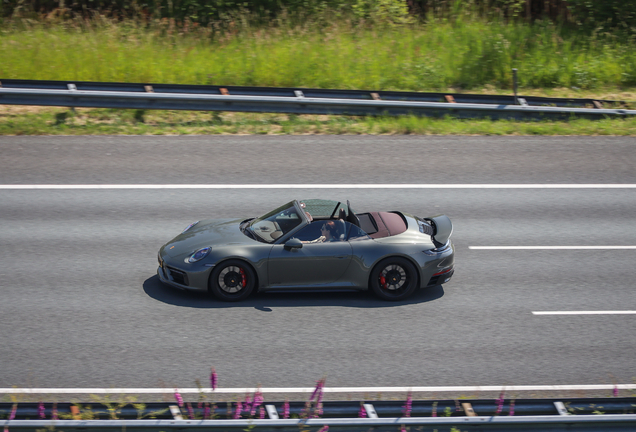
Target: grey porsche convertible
{"x":311,"y":244}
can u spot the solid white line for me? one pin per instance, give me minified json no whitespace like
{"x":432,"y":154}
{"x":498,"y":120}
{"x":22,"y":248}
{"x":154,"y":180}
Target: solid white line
{"x":549,"y":247}
{"x":317,"y":186}
{"x":242,"y":390}
{"x":624,"y":312}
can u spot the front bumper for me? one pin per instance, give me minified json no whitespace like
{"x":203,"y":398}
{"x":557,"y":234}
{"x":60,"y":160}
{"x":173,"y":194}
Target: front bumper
{"x":178,"y":278}
{"x":165,"y":278}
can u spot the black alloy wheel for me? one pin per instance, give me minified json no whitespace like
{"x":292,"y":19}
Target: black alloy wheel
{"x":232,"y":280}
{"x":393,"y":279}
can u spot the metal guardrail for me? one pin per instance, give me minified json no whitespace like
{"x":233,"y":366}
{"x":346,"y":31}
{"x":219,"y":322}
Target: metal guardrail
{"x":297,"y":101}
{"x":625,"y":422}
{"x":307,"y":92}
{"x":350,"y":409}
{"x":471,"y":415}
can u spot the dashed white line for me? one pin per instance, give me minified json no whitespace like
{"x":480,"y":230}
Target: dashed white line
{"x":317,"y":186}
{"x":617,"y":312}
{"x":243,"y":390}
{"x":550,"y":247}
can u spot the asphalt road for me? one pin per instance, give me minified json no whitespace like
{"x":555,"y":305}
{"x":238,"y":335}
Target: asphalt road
{"x":81,"y":305}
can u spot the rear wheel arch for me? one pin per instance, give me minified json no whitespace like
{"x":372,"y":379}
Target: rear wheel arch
{"x":405,"y":267}
{"x":415,"y":264}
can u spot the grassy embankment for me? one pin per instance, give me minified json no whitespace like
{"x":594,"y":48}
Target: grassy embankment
{"x":466,"y":54}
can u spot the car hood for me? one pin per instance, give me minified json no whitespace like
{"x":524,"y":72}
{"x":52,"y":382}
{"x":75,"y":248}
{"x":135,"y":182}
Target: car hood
{"x":211,"y":232}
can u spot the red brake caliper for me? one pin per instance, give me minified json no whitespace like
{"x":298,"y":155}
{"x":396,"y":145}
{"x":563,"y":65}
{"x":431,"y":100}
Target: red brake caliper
{"x":383,"y":282}
{"x":243,"y":278}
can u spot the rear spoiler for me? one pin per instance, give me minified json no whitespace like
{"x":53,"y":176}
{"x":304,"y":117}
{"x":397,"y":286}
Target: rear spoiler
{"x":442,"y":228}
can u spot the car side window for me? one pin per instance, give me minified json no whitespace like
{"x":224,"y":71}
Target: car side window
{"x":327,"y":231}
{"x":323,"y":231}
{"x":356,"y":233}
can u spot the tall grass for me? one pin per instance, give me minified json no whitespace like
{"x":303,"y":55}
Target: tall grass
{"x":463,"y":53}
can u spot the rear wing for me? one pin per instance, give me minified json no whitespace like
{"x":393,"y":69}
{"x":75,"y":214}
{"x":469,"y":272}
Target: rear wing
{"x":442,"y":228}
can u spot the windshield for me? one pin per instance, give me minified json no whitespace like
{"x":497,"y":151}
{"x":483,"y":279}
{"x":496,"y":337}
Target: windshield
{"x":276,"y":223}
{"x":319,"y":208}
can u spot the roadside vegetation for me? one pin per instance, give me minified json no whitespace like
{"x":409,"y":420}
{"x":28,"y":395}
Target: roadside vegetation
{"x":84,"y":121}
{"x":454,"y":46}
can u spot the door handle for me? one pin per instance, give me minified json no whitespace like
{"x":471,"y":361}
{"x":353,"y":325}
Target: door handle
{"x":341,"y":256}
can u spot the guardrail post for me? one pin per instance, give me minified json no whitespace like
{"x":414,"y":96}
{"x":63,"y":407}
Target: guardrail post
{"x":514,"y":84}
{"x":271,"y":412}
{"x":560,"y":407}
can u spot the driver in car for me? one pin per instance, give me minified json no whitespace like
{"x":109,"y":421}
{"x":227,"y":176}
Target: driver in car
{"x":329,"y":233}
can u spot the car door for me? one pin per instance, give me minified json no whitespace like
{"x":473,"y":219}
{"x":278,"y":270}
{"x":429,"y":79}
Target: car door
{"x":315,"y":263}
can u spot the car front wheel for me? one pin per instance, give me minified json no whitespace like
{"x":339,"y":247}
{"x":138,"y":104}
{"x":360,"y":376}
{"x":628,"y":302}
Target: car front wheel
{"x":393,"y":279}
{"x":232,"y":280}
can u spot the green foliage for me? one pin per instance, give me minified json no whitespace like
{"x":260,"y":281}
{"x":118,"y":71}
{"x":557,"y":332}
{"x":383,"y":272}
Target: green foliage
{"x":383,"y":11}
{"x":607,"y":14}
{"x":586,"y":14}
{"x":202,"y":12}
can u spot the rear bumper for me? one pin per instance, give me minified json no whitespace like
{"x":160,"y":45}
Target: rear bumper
{"x":441,"y":278}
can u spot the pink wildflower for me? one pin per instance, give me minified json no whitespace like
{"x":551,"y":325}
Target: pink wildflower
{"x":318,"y":409}
{"x":239,"y":409}
{"x":257,"y":401}
{"x":319,"y":385}
{"x":362,"y":413}
{"x":190,"y":411}
{"x":178,"y":397}
{"x":511,"y":410}
{"x":500,"y":403}
{"x":434,"y":410}
{"x":206,"y":411}
{"x":258,"y":397}
{"x":325,"y":428}
{"x":13,"y":411}
{"x":406,"y":409}
{"x":286,"y":409}
{"x":213,"y":379}
{"x":41,"y":410}
{"x":615,"y":391}
{"x":54,"y":412}
{"x":261,"y":413}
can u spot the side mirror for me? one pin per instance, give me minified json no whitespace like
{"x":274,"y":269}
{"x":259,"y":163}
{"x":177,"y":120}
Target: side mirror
{"x":293,"y":243}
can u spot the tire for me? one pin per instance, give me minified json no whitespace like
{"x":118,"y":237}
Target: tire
{"x":232,"y":280}
{"x":394,"y":279}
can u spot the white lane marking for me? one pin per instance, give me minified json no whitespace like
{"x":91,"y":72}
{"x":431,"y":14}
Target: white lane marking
{"x":317,"y":186}
{"x":243,"y":390}
{"x":623,"y":312}
{"x":549,"y":247}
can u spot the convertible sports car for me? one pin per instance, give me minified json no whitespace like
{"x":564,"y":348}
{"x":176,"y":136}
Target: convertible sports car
{"x":311,"y":244}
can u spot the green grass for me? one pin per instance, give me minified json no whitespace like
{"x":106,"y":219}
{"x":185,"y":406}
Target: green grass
{"x":466,"y":53}
{"x":61,"y":121}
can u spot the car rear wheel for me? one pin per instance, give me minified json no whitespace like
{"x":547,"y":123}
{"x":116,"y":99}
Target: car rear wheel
{"x":393,"y":279}
{"x":232,"y":280}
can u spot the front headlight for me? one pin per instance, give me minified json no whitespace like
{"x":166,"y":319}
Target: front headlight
{"x":189,"y":226}
{"x":198,"y":255}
